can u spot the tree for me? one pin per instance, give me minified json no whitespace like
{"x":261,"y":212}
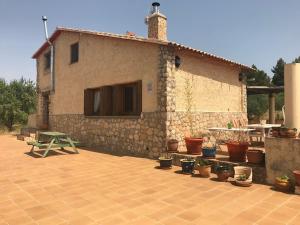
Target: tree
{"x":257,"y":77}
{"x":278,"y":71}
{"x":297,"y":60}
{"x":17,"y":100}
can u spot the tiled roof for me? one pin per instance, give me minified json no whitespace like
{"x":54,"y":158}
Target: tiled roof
{"x":59,"y":30}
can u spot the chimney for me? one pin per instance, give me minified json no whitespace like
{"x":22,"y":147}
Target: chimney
{"x":157,"y":23}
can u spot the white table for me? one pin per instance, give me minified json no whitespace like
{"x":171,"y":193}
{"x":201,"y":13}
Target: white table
{"x":263,"y":128}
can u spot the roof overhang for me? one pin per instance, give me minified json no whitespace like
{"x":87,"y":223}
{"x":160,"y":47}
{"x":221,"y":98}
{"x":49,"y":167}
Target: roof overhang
{"x":256,"y":90}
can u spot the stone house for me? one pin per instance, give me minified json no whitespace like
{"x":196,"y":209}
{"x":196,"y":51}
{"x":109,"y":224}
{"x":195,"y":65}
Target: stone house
{"x":129,"y":93}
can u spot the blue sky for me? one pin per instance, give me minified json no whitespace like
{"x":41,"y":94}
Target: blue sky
{"x":250,"y":32}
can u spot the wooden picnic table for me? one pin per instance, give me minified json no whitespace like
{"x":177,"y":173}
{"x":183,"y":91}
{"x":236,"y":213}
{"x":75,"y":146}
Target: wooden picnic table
{"x":55,"y":140}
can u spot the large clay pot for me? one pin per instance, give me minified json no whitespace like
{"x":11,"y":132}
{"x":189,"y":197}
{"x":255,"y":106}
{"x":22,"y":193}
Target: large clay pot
{"x":255,"y":156}
{"x":237,"y":151}
{"x":204,"y":171}
{"x":172,"y":145}
{"x":288,"y":132}
{"x":194,"y":145}
{"x":297,"y":177}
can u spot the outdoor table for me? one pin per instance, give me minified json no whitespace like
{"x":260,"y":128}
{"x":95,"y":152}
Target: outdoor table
{"x":57,"y":139}
{"x":263,"y":128}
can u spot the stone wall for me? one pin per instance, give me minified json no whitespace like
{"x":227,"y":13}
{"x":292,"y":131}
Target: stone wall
{"x":182,"y":124}
{"x":141,"y":136}
{"x":282,"y":157}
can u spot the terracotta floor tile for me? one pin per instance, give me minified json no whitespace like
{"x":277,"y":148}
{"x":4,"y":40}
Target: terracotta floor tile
{"x":190,"y":215}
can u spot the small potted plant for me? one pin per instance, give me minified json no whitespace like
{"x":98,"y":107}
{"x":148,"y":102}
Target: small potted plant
{"x":187,"y":165}
{"x":209,"y":148}
{"x":243,"y":176}
{"x":172,"y":145}
{"x":283,"y":183}
{"x":275,"y":131}
{"x":204,"y":167}
{"x":255,"y":156}
{"x":222,"y":172}
{"x":165,"y":161}
{"x":286,"y":132}
{"x":237,"y":149}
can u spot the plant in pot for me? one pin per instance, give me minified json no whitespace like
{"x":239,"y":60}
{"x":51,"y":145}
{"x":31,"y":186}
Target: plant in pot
{"x":255,"y":156}
{"x":193,"y":141}
{"x":209,"y":148}
{"x":165,"y":161}
{"x":222,"y":172}
{"x":172,"y":145}
{"x":204,"y":167}
{"x":243,"y":176}
{"x":187,"y":165}
{"x":237,"y":149}
{"x":283,"y":183}
{"x":287,"y":132}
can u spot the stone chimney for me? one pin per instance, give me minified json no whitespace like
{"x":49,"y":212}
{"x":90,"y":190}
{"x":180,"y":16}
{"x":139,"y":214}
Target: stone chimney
{"x":157,"y":23}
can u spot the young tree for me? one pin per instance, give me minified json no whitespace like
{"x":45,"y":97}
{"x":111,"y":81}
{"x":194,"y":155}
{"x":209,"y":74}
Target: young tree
{"x":297,"y":60}
{"x":278,"y":70}
{"x":17,"y":100}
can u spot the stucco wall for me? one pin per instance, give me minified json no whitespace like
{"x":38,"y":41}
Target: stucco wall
{"x":102,"y":61}
{"x":282,"y":157}
{"x":216,"y":86}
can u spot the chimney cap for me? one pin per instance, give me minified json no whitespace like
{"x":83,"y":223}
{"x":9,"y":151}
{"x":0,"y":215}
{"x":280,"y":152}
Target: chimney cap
{"x":155,"y":4}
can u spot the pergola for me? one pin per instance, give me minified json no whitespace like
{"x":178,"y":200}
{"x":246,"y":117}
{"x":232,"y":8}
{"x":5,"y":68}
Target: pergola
{"x":271,"y":91}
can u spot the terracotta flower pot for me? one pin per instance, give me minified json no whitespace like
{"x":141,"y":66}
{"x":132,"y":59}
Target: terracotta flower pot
{"x":282,"y":185}
{"x":287,"y":132}
{"x":237,"y":151}
{"x":297,"y":177}
{"x":255,"y":156}
{"x":275,"y":131}
{"x":204,"y":171}
{"x":194,"y":145}
{"x":172,"y":145}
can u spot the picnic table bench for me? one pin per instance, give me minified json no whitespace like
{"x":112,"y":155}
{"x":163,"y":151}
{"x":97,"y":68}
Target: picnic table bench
{"x":56,"y":140}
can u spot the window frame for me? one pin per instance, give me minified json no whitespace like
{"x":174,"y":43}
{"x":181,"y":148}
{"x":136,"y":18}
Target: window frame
{"x":73,"y":47}
{"x":114,"y":95}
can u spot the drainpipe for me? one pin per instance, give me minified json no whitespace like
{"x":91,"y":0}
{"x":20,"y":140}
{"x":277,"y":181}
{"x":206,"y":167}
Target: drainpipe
{"x":44,"y":18}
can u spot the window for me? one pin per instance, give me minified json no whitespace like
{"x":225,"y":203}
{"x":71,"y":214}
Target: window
{"x":47,"y":60}
{"x":74,"y":53}
{"x":116,"y":100}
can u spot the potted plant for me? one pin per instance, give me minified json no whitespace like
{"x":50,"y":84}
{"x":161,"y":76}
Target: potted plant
{"x":209,"y":148}
{"x":187,"y":165}
{"x":255,"y":156}
{"x":204,"y":167}
{"x":275,"y":131}
{"x":237,"y":149}
{"x":283,"y":183}
{"x":222,"y":172}
{"x":193,"y":141}
{"x":297,"y":176}
{"x":165,"y":161}
{"x":243,"y":176}
{"x":172,"y":145}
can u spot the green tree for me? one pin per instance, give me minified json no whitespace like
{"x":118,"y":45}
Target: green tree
{"x":297,"y":60}
{"x":257,"y":77}
{"x":278,"y":71}
{"x":17,"y":100}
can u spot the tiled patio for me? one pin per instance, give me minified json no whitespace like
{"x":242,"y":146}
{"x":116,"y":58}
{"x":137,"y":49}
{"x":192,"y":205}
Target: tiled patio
{"x":96,"y":188}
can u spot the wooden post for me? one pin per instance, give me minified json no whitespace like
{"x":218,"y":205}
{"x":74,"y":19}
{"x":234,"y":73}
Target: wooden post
{"x":272,"y":108}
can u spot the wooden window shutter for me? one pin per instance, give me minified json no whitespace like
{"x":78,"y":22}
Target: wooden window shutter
{"x":118,"y":100}
{"x":88,"y":102}
{"x":139,"y":97}
{"x":106,"y":106}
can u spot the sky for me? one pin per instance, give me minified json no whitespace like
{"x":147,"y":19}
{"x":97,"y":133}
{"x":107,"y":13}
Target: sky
{"x":250,"y":32}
